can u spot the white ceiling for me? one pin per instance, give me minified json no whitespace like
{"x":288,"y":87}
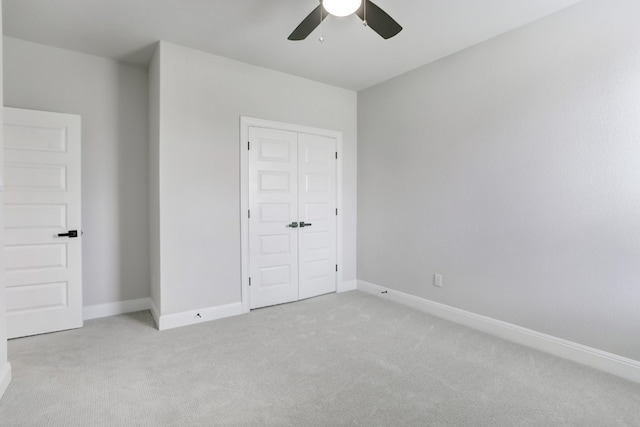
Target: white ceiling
{"x":255,"y":31}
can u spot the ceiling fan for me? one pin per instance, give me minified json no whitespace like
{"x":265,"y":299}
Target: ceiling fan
{"x":371,"y":15}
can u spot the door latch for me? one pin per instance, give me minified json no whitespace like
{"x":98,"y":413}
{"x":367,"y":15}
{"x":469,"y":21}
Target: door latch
{"x":70,"y":234}
{"x":305,"y":224}
{"x":293,"y":225}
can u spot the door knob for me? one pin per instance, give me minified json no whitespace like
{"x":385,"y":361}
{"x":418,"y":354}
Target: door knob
{"x":305,"y":224}
{"x":70,"y":233}
{"x":293,"y":225}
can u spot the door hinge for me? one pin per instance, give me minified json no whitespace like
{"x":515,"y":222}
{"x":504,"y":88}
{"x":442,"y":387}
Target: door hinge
{"x":336,"y":267}
{"x":248,"y":145}
{"x":249,"y":281}
{"x":336,"y":155}
{"x":249,"y":213}
{"x":336,"y":211}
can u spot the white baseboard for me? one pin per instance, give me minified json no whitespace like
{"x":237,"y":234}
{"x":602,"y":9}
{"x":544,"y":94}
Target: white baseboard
{"x":155,"y":313}
{"x":193,"y":317}
{"x":598,"y":359}
{"x":347,"y":285}
{"x":5,"y":378}
{"x":114,"y":308}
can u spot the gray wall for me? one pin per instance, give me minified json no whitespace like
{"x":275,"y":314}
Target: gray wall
{"x":112,"y":99}
{"x":513,"y":168}
{"x":202,"y":97}
{"x":5,"y":372}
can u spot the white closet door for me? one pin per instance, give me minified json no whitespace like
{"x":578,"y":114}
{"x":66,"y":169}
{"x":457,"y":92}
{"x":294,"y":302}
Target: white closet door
{"x":292,"y":224}
{"x":43,"y":257}
{"x":317,"y":207}
{"x":273,"y":243}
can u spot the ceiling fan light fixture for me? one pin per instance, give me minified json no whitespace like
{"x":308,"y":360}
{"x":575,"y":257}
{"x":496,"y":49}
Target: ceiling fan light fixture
{"x":341,"y":7}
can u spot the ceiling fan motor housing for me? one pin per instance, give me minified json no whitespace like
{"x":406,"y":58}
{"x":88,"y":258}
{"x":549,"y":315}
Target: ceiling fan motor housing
{"x":341,"y":7}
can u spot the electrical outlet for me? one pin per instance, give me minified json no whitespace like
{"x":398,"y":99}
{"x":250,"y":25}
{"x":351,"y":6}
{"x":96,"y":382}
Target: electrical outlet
{"x":437,"y":280}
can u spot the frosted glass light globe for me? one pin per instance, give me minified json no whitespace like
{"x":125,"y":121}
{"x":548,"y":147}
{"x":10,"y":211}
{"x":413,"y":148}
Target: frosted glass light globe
{"x":341,"y":7}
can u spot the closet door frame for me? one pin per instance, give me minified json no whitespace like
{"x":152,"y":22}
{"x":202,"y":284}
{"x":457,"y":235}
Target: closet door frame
{"x":245,"y":123}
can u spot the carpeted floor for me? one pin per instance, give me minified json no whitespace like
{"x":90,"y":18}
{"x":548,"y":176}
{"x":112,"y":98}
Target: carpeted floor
{"x":338,"y":360}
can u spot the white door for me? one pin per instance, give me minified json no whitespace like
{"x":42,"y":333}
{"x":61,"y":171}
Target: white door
{"x":292,"y":224}
{"x":42,"y":253}
{"x":273,"y":240}
{"x":317,"y":213}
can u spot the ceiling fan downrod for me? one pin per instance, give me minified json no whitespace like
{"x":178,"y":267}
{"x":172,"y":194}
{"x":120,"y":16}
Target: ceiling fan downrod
{"x":364,"y":14}
{"x":321,"y":39}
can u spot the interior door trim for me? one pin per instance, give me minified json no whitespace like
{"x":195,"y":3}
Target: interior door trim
{"x":245,"y":123}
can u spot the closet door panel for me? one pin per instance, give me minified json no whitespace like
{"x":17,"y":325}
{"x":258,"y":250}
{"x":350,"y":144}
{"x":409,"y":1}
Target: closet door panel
{"x":273,"y":206}
{"x":317,"y":208}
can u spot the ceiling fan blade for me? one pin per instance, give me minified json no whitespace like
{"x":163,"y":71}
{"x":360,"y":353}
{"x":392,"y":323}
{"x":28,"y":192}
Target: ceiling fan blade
{"x":378,"y":20}
{"x":308,"y":24}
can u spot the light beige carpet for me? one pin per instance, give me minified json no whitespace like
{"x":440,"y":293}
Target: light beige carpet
{"x":338,"y":360}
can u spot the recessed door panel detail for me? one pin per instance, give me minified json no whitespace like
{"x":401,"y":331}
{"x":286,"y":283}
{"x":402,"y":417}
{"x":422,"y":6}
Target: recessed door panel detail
{"x":35,"y":216}
{"x":275,"y":276}
{"x":37,"y":297}
{"x":35,"y":177}
{"x":318,"y":155}
{"x":274,"y":212}
{"x":274,"y":150}
{"x":316,"y":183}
{"x":275,"y":245}
{"x":318,"y":240}
{"x":318,"y":211}
{"x":318,"y":269}
{"x":30,"y":257}
{"x":274,"y":181}
{"x":19,"y":137}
